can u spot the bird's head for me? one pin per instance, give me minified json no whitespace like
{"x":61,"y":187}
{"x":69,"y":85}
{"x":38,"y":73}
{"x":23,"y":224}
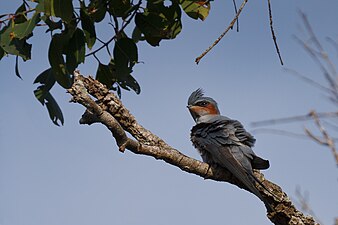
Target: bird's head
{"x":200,"y":106}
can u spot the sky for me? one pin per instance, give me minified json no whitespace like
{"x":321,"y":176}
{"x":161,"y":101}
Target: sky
{"x":74,"y":174}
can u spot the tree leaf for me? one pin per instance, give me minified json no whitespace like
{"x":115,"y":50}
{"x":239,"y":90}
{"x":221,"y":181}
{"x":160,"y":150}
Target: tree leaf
{"x":59,"y":8}
{"x":51,"y":24}
{"x":14,"y":46}
{"x":97,"y":10}
{"x":159,"y":21}
{"x":136,"y":35}
{"x":47,"y":79}
{"x":119,"y":8}
{"x":23,"y":30}
{"x":75,"y":50}
{"x":17,"y":73}
{"x":56,"y":60}
{"x":88,"y":27}
{"x":2,"y":53}
{"x":105,"y":75}
{"x":54,"y":110}
{"x":21,"y":17}
{"x":125,"y":53}
{"x":196,"y":9}
{"x":130,"y":82}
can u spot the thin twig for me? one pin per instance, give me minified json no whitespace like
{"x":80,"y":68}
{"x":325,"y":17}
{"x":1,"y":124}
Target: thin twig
{"x":293,"y":119}
{"x":303,"y":201}
{"x":237,"y":22}
{"x":279,"y":132}
{"x":315,"y":138}
{"x":308,"y":80}
{"x":198,"y":59}
{"x":328,"y":75}
{"x":328,"y":140}
{"x":122,"y":28}
{"x":273,"y":33}
{"x":333,"y":43}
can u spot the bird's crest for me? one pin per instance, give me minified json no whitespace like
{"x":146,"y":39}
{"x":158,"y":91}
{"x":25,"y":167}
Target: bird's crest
{"x":196,"y":95}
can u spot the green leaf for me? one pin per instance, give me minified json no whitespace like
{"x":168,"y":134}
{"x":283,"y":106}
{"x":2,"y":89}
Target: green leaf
{"x":151,"y":26}
{"x":159,"y":22}
{"x":46,"y":78}
{"x":88,"y":27}
{"x":21,"y":17}
{"x":196,"y":9}
{"x":119,"y":8}
{"x":51,"y":24}
{"x":40,"y":7}
{"x":17,"y":73}
{"x":125,"y":53}
{"x":105,"y":74}
{"x":54,"y":110}
{"x":25,"y":29}
{"x":97,"y":10}
{"x":56,"y":60}
{"x":130,"y":82}
{"x":63,"y":9}
{"x":75,"y":50}
{"x":59,"y":8}
{"x":137,"y":34}
{"x":14,"y":46}
{"x":2,"y":53}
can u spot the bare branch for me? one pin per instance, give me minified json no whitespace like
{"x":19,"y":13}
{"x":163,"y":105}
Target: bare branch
{"x":303,"y":201}
{"x":279,"y":132}
{"x":327,"y":140}
{"x":309,"y":80}
{"x":198,"y":59}
{"x":237,"y":21}
{"x":273,"y":33}
{"x":292,"y":119}
{"x":108,"y":110}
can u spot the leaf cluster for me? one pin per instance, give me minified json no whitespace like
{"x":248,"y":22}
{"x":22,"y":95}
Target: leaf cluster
{"x":72,"y":26}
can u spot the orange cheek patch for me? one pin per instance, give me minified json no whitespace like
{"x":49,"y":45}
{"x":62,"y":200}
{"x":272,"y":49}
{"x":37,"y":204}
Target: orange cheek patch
{"x":211,"y":109}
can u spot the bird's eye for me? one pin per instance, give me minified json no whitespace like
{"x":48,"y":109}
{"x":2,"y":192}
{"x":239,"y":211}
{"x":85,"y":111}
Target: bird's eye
{"x":203,"y":103}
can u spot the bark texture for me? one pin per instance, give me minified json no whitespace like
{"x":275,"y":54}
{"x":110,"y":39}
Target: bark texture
{"x":104,"y":107}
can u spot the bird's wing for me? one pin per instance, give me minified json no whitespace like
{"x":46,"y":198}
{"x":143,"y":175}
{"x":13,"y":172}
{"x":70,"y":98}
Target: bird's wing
{"x":219,"y":140}
{"x":239,"y":136}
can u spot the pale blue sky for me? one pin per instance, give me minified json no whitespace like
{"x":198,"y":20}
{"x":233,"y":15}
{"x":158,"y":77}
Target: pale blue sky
{"x":74,"y":174}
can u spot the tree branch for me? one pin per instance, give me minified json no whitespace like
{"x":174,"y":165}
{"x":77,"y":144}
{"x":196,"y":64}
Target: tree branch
{"x":231,"y":25}
{"x":109,"y":110}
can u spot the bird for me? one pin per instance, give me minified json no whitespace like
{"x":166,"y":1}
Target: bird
{"x":224,"y":142}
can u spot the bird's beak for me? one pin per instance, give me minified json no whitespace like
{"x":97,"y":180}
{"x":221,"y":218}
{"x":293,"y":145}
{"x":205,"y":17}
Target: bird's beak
{"x":192,"y":112}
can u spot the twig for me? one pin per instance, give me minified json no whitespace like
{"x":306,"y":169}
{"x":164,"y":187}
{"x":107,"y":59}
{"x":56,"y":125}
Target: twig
{"x":280,"y":132}
{"x":237,"y":22}
{"x":309,"y":81}
{"x":11,"y":16}
{"x":198,"y":59}
{"x":327,"y":140}
{"x":303,"y":201}
{"x":116,"y":34}
{"x":293,"y":119}
{"x":273,"y":33}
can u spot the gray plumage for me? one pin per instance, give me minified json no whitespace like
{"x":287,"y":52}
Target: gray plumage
{"x":223,"y":141}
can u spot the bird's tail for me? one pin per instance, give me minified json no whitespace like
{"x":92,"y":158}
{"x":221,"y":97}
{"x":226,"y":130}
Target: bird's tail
{"x":267,"y":204}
